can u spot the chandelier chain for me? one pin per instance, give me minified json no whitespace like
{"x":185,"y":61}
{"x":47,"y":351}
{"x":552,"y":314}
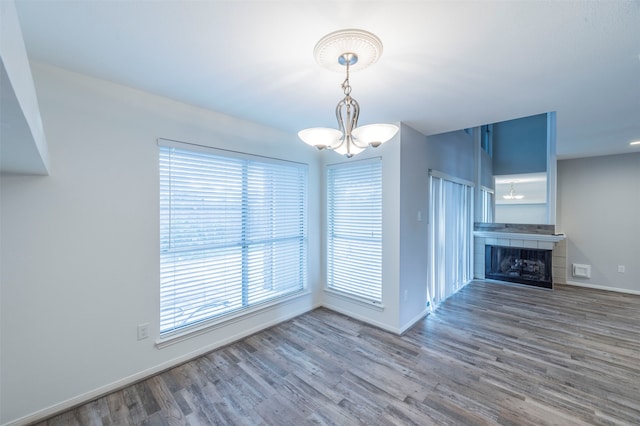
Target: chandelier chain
{"x":346,"y":87}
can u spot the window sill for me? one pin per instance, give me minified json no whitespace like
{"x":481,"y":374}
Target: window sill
{"x":378,"y":306}
{"x":223,"y":321}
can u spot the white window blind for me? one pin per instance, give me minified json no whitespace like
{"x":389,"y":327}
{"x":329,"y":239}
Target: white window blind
{"x":232,"y":233}
{"x":354,"y":218}
{"x":450,"y":237}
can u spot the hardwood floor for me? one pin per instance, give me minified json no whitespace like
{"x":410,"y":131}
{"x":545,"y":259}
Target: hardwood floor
{"x":492,"y":354}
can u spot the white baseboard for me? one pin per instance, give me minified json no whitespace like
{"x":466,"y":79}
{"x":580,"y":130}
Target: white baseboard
{"x":144,"y":374}
{"x":603,"y":287}
{"x":362,"y":318}
{"x":417,"y":318}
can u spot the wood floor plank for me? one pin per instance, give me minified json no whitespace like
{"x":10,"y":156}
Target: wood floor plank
{"x":147,"y":398}
{"x":134,"y":405}
{"x":493,"y":354}
{"x":169,"y":407}
{"x":91,"y":415}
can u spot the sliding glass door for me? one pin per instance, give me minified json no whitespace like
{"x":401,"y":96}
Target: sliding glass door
{"x":450,"y":237}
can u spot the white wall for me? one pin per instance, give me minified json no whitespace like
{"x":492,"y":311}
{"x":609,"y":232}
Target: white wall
{"x":414,"y":224}
{"x":599,"y":211}
{"x":521,"y":213}
{"x":79,"y":265}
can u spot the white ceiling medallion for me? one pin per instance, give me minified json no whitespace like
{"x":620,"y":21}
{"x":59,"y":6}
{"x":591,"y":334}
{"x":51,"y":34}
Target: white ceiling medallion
{"x":366,"y":46}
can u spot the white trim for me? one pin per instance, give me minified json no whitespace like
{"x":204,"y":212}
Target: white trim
{"x":603,"y":287}
{"x":552,"y":168}
{"x":373,"y":304}
{"x":364,"y":319}
{"x":519,"y":236}
{"x":190,"y":332}
{"x":359,"y":160}
{"x":450,"y":178}
{"x":189,"y":146}
{"x":415,"y":319}
{"x":142,"y":375}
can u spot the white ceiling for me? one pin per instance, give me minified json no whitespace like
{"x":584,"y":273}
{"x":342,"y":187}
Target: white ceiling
{"x":446,"y":65}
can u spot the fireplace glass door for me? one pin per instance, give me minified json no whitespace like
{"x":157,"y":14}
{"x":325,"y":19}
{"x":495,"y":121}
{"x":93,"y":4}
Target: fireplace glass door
{"x":519,"y":265}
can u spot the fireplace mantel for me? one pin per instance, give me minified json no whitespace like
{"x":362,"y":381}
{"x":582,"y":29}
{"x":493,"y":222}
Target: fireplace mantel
{"x":554,"y":238}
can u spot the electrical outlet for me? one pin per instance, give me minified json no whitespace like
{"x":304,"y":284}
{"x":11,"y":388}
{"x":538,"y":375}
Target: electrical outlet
{"x":621,"y":269}
{"x":143,"y":331}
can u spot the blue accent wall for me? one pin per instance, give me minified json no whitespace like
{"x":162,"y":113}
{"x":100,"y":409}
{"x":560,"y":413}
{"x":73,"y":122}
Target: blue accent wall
{"x":520,"y":145}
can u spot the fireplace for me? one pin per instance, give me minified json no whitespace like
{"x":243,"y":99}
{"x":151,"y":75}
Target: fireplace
{"x":519,"y":265}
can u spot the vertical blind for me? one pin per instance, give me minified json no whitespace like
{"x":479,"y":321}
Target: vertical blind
{"x":450,"y":238}
{"x":354,"y":235}
{"x":232,"y":233}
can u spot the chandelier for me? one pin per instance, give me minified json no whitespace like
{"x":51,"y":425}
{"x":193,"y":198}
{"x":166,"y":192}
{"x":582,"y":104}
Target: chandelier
{"x":512,"y":194}
{"x":349,"y":50}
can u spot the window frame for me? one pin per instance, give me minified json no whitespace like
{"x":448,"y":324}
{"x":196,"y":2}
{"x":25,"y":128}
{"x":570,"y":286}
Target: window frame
{"x":178,"y":333}
{"x":343,"y":290}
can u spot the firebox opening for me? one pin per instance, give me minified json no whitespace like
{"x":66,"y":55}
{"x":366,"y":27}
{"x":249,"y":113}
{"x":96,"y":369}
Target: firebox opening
{"x":519,"y":265}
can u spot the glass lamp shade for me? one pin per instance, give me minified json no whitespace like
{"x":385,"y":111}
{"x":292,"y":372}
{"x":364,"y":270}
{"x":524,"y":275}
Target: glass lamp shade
{"x":513,"y":197}
{"x":348,"y":150}
{"x":374,"y":134}
{"x":320,"y":137}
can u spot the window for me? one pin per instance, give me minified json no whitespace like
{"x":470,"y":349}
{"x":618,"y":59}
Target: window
{"x":486,"y":201}
{"x":354,"y":234}
{"x":450,"y":237}
{"x":232,"y":232}
{"x":486,"y":140}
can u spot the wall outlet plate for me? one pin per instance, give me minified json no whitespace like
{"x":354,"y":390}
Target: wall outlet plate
{"x":143,"y":331}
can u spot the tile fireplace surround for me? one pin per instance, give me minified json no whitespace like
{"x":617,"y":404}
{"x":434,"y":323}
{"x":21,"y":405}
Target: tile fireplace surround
{"x":524,"y":236}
